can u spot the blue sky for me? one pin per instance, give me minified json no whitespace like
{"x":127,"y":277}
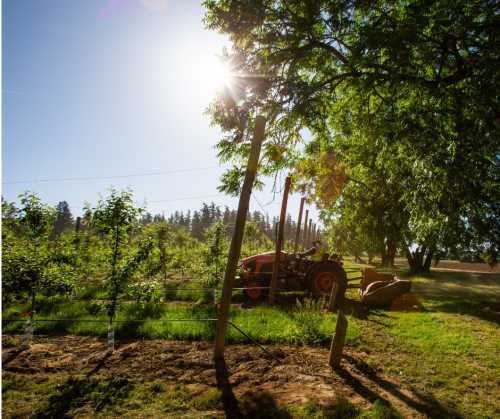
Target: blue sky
{"x":103,"y":88}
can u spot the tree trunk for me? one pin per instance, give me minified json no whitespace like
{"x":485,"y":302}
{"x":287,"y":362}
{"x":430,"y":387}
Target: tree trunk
{"x":391,"y":253}
{"x":420,"y":259}
{"x":383,"y":254}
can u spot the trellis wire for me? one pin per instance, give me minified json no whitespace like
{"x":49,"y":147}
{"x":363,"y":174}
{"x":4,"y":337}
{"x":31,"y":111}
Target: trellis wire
{"x":110,"y":335}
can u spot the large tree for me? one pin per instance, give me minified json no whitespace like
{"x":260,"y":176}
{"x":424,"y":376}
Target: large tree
{"x":418,"y":78}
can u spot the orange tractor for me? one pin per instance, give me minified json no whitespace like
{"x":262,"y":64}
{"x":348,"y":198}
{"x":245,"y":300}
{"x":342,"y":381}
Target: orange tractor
{"x":295,"y":273}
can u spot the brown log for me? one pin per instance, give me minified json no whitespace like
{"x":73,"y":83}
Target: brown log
{"x":235,"y":248}
{"x":279,"y":241}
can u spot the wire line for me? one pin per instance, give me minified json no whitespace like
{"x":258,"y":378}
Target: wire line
{"x":76,"y":179}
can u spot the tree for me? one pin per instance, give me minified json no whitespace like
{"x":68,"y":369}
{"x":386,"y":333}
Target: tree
{"x":115,"y":217}
{"x":64,"y":219}
{"x":421,"y":76}
{"x":215,"y":252}
{"x":31,"y":265}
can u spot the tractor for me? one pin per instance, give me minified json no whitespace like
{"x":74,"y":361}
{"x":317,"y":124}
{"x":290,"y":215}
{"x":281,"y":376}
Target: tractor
{"x":295,"y":273}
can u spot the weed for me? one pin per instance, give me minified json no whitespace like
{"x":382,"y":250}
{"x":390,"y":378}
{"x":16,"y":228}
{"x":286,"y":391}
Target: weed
{"x":176,"y":398}
{"x":208,"y":400}
{"x":381,"y":410}
{"x":309,"y":317}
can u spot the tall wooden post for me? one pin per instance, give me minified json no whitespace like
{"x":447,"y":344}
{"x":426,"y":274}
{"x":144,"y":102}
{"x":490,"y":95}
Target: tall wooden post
{"x":304,"y":236}
{"x":333,"y":296}
{"x":235,"y":248}
{"x":279,"y":241}
{"x":338,"y":340}
{"x":299,"y":222}
{"x":308,"y":230}
{"x":78,"y":224}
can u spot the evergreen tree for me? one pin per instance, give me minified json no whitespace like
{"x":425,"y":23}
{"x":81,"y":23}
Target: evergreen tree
{"x":64,"y":218}
{"x":196,"y":226}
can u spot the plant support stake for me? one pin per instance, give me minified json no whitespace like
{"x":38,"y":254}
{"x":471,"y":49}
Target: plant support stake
{"x":111,"y":337}
{"x":27,"y":337}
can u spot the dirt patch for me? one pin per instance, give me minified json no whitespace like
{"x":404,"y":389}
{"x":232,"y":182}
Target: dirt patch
{"x":288,"y":375}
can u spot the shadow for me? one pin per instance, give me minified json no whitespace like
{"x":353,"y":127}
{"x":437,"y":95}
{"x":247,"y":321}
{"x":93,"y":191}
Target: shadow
{"x":76,"y":392}
{"x":361,"y":312}
{"x":261,"y":404}
{"x":231,"y":407}
{"x":13,"y":355}
{"x":99,"y":365}
{"x":426,"y":404}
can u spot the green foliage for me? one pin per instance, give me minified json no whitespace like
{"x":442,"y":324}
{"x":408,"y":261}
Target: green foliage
{"x":215,"y":253}
{"x":308,"y":315}
{"x":384,"y":111}
{"x":254,"y":241}
{"x":31,"y":263}
{"x":116,"y":217}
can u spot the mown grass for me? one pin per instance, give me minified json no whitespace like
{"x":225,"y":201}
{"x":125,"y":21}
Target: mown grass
{"x":450,"y":349}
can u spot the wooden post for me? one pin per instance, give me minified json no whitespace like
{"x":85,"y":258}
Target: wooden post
{"x":299,"y":222}
{"x":304,"y":236}
{"x":78,"y":224}
{"x":338,"y":340}
{"x":333,"y":296}
{"x":279,"y":241}
{"x":308,"y":236}
{"x":235,"y":248}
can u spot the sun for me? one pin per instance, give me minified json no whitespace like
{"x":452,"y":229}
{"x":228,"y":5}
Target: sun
{"x":207,"y":74}
{"x":216,"y":74}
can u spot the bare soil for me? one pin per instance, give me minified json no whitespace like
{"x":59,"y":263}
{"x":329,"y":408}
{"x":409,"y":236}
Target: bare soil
{"x":282,"y":375}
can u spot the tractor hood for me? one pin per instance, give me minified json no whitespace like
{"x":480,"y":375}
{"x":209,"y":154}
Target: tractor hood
{"x":263,"y":257}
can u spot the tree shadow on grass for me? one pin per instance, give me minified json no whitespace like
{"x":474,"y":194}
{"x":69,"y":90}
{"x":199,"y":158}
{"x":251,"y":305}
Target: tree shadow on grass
{"x":78,"y":391}
{"x":423,"y":403}
{"x":229,"y":400}
{"x":11,"y":357}
{"x":251,"y":405}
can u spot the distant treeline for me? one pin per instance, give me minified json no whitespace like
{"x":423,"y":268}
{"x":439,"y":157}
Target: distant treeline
{"x":196,"y":222}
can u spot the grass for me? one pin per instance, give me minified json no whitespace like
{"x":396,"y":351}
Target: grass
{"x":450,"y":349}
{"x":293,"y":325}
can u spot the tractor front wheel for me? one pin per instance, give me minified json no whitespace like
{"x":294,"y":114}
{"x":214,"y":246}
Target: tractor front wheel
{"x":255,"y":289}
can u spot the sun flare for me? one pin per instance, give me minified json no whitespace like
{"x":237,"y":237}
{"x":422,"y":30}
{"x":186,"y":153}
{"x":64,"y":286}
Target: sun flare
{"x":207,"y":74}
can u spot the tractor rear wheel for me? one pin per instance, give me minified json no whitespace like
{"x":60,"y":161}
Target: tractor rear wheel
{"x":323,"y":275}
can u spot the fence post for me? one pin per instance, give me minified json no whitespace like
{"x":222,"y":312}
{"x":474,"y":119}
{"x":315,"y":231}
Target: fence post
{"x":299,"y":222}
{"x":308,"y":236}
{"x":304,"y":236}
{"x":333,"y":296}
{"x":279,"y":241}
{"x":235,"y":248}
{"x":338,"y":340}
